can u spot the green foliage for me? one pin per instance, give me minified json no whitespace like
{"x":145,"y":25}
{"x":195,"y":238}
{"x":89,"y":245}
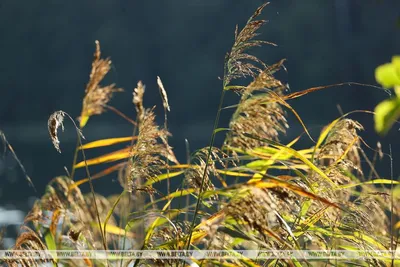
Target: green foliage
{"x":388,"y":111}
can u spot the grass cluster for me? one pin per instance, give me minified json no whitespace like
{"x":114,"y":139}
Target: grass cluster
{"x":253,"y":192}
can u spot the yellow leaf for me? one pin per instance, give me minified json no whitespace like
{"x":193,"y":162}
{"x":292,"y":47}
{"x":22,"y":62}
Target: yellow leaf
{"x":277,"y":155}
{"x":83,"y":120}
{"x":296,"y":189}
{"x":162,"y":177}
{"x":107,"y":142}
{"x":113,"y":156}
{"x":376,"y":181}
{"x":115,"y":230}
{"x":304,"y":160}
{"x":323,"y":135}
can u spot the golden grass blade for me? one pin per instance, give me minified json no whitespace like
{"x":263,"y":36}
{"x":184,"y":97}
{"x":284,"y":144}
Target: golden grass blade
{"x":296,"y":189}
{"x":355,"y":236}
{"x":54,"y":221}
{"x":233,"y":173}
{"x":344,"y":154}
{"x":322,"y":137}
{"x":178,"y":193}
{"x":107,"y":142}
{"x":317,"y":88}
{"x":110,"y":212}
{"x":162,"y":177}
{"x":269,"y":162}
{"x":300,"y":157}
{"x":115,"y":230}
{"x":376,"y":181}
{"x":281,"y":101}
{"x":110,"y":157}
{"x":310,"y":221}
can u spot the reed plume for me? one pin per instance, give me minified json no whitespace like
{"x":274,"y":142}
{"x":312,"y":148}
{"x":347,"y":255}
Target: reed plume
{"x":96,"y":96}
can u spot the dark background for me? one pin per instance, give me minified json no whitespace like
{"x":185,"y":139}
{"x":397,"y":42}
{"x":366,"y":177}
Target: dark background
{"x":46,"y":50}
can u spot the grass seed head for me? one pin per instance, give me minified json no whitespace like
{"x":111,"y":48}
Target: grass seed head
{"x":55,"y":121}
{"x":96,"y":96}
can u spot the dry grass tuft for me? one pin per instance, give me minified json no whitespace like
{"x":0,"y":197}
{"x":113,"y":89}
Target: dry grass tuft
{"x":238,"y":63}
{"x":30,"y":241}
{"x":148,"y":152}
{"x":256,"y":210}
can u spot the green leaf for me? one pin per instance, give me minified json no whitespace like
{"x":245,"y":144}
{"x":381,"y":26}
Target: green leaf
{"x":386,"y":114}
{"x":221,"y":129}
{"x":111,"y":211}
{"x":51,"y":244}
{"x":388,"y":75}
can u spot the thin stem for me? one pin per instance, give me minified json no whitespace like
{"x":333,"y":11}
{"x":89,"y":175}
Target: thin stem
{"x":90,"y":181}
{"x":206,"y":167}
{"x":392,"y":245}
{"x":166,"y":144}
{"x":121,"y":114}
{"x":74,"y":160}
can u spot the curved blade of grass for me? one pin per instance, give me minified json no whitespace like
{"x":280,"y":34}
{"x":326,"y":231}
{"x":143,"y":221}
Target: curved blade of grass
{"x":310,"y":221}
{"x":156,"y":223}
{"x":304,"y":208}
{"x":233,"y":173}
{"x":281,"y":101}
{"x":354,"y":236}
{"x":163,"y":218}
{"x":54,"y":221}
{"x":98,"y":175}
{"x":165,"y":176}
{"x":115,"y":230}
{"x":322,"y":137}
{"x":326,"y":131}
{"x":178,"y":193}
{"x":257,"y":177}
{"x":162,"y":177}
{"x":344,"y":154}
{"x":111,"y":211}
{"x":317,"y":88}
{"x":297,"y":155}
{"x":296,"y":189}
{"x":221,"y":129}
{"x":110,"y":157}
{"x":107,"y":142}
{"x":376,"y":181}
{"x":51,"y":244}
